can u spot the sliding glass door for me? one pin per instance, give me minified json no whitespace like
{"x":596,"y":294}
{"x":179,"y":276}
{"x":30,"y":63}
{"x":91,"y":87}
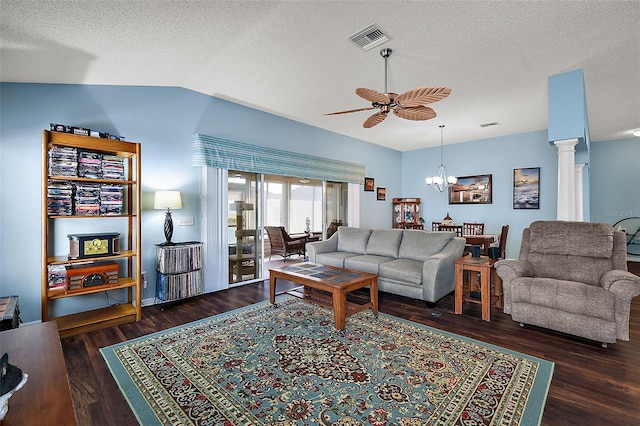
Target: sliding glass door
{"x":295,"y":203}
{"x":305,"y":207}
{"x":336,"y":206}
{"x":244,"y":236}
{"x":253,"y":201}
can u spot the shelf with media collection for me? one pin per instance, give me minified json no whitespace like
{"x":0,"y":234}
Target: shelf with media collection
{"x":90,"y":184}
{"x":179,"y":272}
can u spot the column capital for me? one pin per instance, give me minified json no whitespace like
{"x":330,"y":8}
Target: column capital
{"x":566,"y":144}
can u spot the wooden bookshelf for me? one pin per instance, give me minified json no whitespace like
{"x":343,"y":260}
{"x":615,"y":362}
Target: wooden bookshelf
{"x":129,"y":271}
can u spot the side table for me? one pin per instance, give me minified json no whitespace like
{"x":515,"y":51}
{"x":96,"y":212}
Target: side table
{"x":488,"y":296}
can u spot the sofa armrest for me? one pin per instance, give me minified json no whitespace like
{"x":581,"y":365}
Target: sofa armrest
{"x":511,"y":268}
{"x":625,"y":286}
{"x":622,"y":283}
{"x":438,"y":271}
{"x":326,"y":246}
{"x":508,"y":269}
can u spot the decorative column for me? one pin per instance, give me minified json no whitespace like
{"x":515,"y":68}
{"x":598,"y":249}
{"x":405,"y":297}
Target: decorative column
{"x":578,"y":168}
{"x":566,"y":206}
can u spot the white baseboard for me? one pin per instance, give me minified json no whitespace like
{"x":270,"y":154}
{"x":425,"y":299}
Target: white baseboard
{"x":148,"y":302}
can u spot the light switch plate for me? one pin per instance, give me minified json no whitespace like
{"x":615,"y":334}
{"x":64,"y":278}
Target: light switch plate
{"x":185,"y":221}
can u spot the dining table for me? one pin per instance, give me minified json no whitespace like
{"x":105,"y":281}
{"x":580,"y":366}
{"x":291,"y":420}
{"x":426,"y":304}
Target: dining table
{"x":483,"y":240}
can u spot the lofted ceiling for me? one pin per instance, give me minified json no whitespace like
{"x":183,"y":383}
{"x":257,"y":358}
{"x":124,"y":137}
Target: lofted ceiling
{"x":294,"y":58}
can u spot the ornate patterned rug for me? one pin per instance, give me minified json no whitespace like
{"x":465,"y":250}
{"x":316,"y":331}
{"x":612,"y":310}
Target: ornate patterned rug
{"x":262,"y":365}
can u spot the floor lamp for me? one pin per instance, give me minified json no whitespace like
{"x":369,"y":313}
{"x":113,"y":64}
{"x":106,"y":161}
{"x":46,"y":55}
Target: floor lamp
{"x":167,"y":200}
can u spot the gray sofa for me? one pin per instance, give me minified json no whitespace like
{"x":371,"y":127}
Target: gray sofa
{"x":571,"y":277}
{"x":412,"y":263}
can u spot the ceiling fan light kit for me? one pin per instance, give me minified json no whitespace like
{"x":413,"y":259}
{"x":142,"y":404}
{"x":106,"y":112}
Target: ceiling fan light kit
{"x":441,"y":182}
{"x":408,"y":105}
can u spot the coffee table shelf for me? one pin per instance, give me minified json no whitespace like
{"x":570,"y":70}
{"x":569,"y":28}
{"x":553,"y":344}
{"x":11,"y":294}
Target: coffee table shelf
{"x":326,"y":300}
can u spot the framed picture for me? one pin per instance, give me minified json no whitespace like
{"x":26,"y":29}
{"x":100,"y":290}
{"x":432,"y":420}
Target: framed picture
{"x":471,"y":190}
{"x":368,"y":184}
{"x":526,"y":188}
{"x":382,"y":194}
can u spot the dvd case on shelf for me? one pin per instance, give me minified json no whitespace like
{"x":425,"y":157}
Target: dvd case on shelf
{"x":63,"y":161}
{"x":59,"y":198}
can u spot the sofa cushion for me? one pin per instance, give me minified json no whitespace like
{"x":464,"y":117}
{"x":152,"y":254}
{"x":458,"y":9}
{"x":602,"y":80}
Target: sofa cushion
{"x":353,"y":240}
{"x":402,"y":270}
{"x":334,"y":258}
{"x":421,"y":245}
{"x":384,"y":242}
{"x":571,"y":238}
{"x":566,"y":296}
{"x":366,"y":263}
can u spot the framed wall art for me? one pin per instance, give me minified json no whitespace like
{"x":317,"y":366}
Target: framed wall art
{"x":526,"y":188}
{"x":368,"y":184}
{"x":381,"y":194}
{"x":471,"y":190}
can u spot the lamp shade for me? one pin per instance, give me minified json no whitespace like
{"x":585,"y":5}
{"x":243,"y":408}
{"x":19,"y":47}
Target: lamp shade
{"x":167,"y":200}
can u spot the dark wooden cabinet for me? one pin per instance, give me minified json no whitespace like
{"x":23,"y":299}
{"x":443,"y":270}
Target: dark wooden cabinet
{"x":406,"y":213}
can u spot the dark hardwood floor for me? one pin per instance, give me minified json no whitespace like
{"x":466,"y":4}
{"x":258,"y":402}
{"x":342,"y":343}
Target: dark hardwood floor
{"x":591,"y":385}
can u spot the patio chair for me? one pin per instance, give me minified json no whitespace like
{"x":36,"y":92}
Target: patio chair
{"x":282,"y":244}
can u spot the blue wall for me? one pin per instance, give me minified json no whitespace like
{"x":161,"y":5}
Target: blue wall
{"x":163,"y":120}
{"x":498,"y":157}
{"x":615,"y":180}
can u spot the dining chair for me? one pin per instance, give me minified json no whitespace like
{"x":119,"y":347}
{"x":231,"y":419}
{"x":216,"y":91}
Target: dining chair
{"x":451,"y":228}
{"x":503,"y":241}
{"x":473,"y":228}
{"x":435,"y":225}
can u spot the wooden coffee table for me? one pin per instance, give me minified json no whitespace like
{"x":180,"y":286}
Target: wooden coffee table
{"x":336,"y":281}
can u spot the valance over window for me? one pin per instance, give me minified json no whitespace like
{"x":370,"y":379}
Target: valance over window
{"x":221,"y":153}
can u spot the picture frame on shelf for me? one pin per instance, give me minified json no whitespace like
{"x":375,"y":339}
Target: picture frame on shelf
{"x":526,"y":188}
{"x":381,"y":194}
{"x":369,"y":185}
{"x":475,"y":189}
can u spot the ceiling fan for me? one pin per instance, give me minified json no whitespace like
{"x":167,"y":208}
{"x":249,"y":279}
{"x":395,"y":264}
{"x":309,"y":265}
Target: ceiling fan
{"x":409,"y":105}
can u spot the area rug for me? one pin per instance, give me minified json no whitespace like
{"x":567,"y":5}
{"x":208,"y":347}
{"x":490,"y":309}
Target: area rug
{"x":287,"y":365}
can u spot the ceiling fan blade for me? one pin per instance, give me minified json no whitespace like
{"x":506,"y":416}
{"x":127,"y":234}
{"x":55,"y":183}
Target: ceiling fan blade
{"x":376,"y":118}
{"x":372,"y":96}
{"x":350,"y":110}
{"x":418,"y":113}
{"x":422,"y":96}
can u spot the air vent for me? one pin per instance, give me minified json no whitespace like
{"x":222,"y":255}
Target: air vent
{"x":370,"y":37}
{"x":495,"y":123}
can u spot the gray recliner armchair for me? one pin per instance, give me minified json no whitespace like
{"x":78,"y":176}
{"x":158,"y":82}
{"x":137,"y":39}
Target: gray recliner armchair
{"x":571,"y":277}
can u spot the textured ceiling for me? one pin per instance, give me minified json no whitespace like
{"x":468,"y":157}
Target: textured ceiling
{"x":294,"y":59}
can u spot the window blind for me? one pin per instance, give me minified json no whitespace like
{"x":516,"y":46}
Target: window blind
{"x":210,"y":151}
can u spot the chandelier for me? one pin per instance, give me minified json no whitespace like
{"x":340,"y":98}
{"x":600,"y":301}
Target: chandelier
{"x":441,"y":182}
